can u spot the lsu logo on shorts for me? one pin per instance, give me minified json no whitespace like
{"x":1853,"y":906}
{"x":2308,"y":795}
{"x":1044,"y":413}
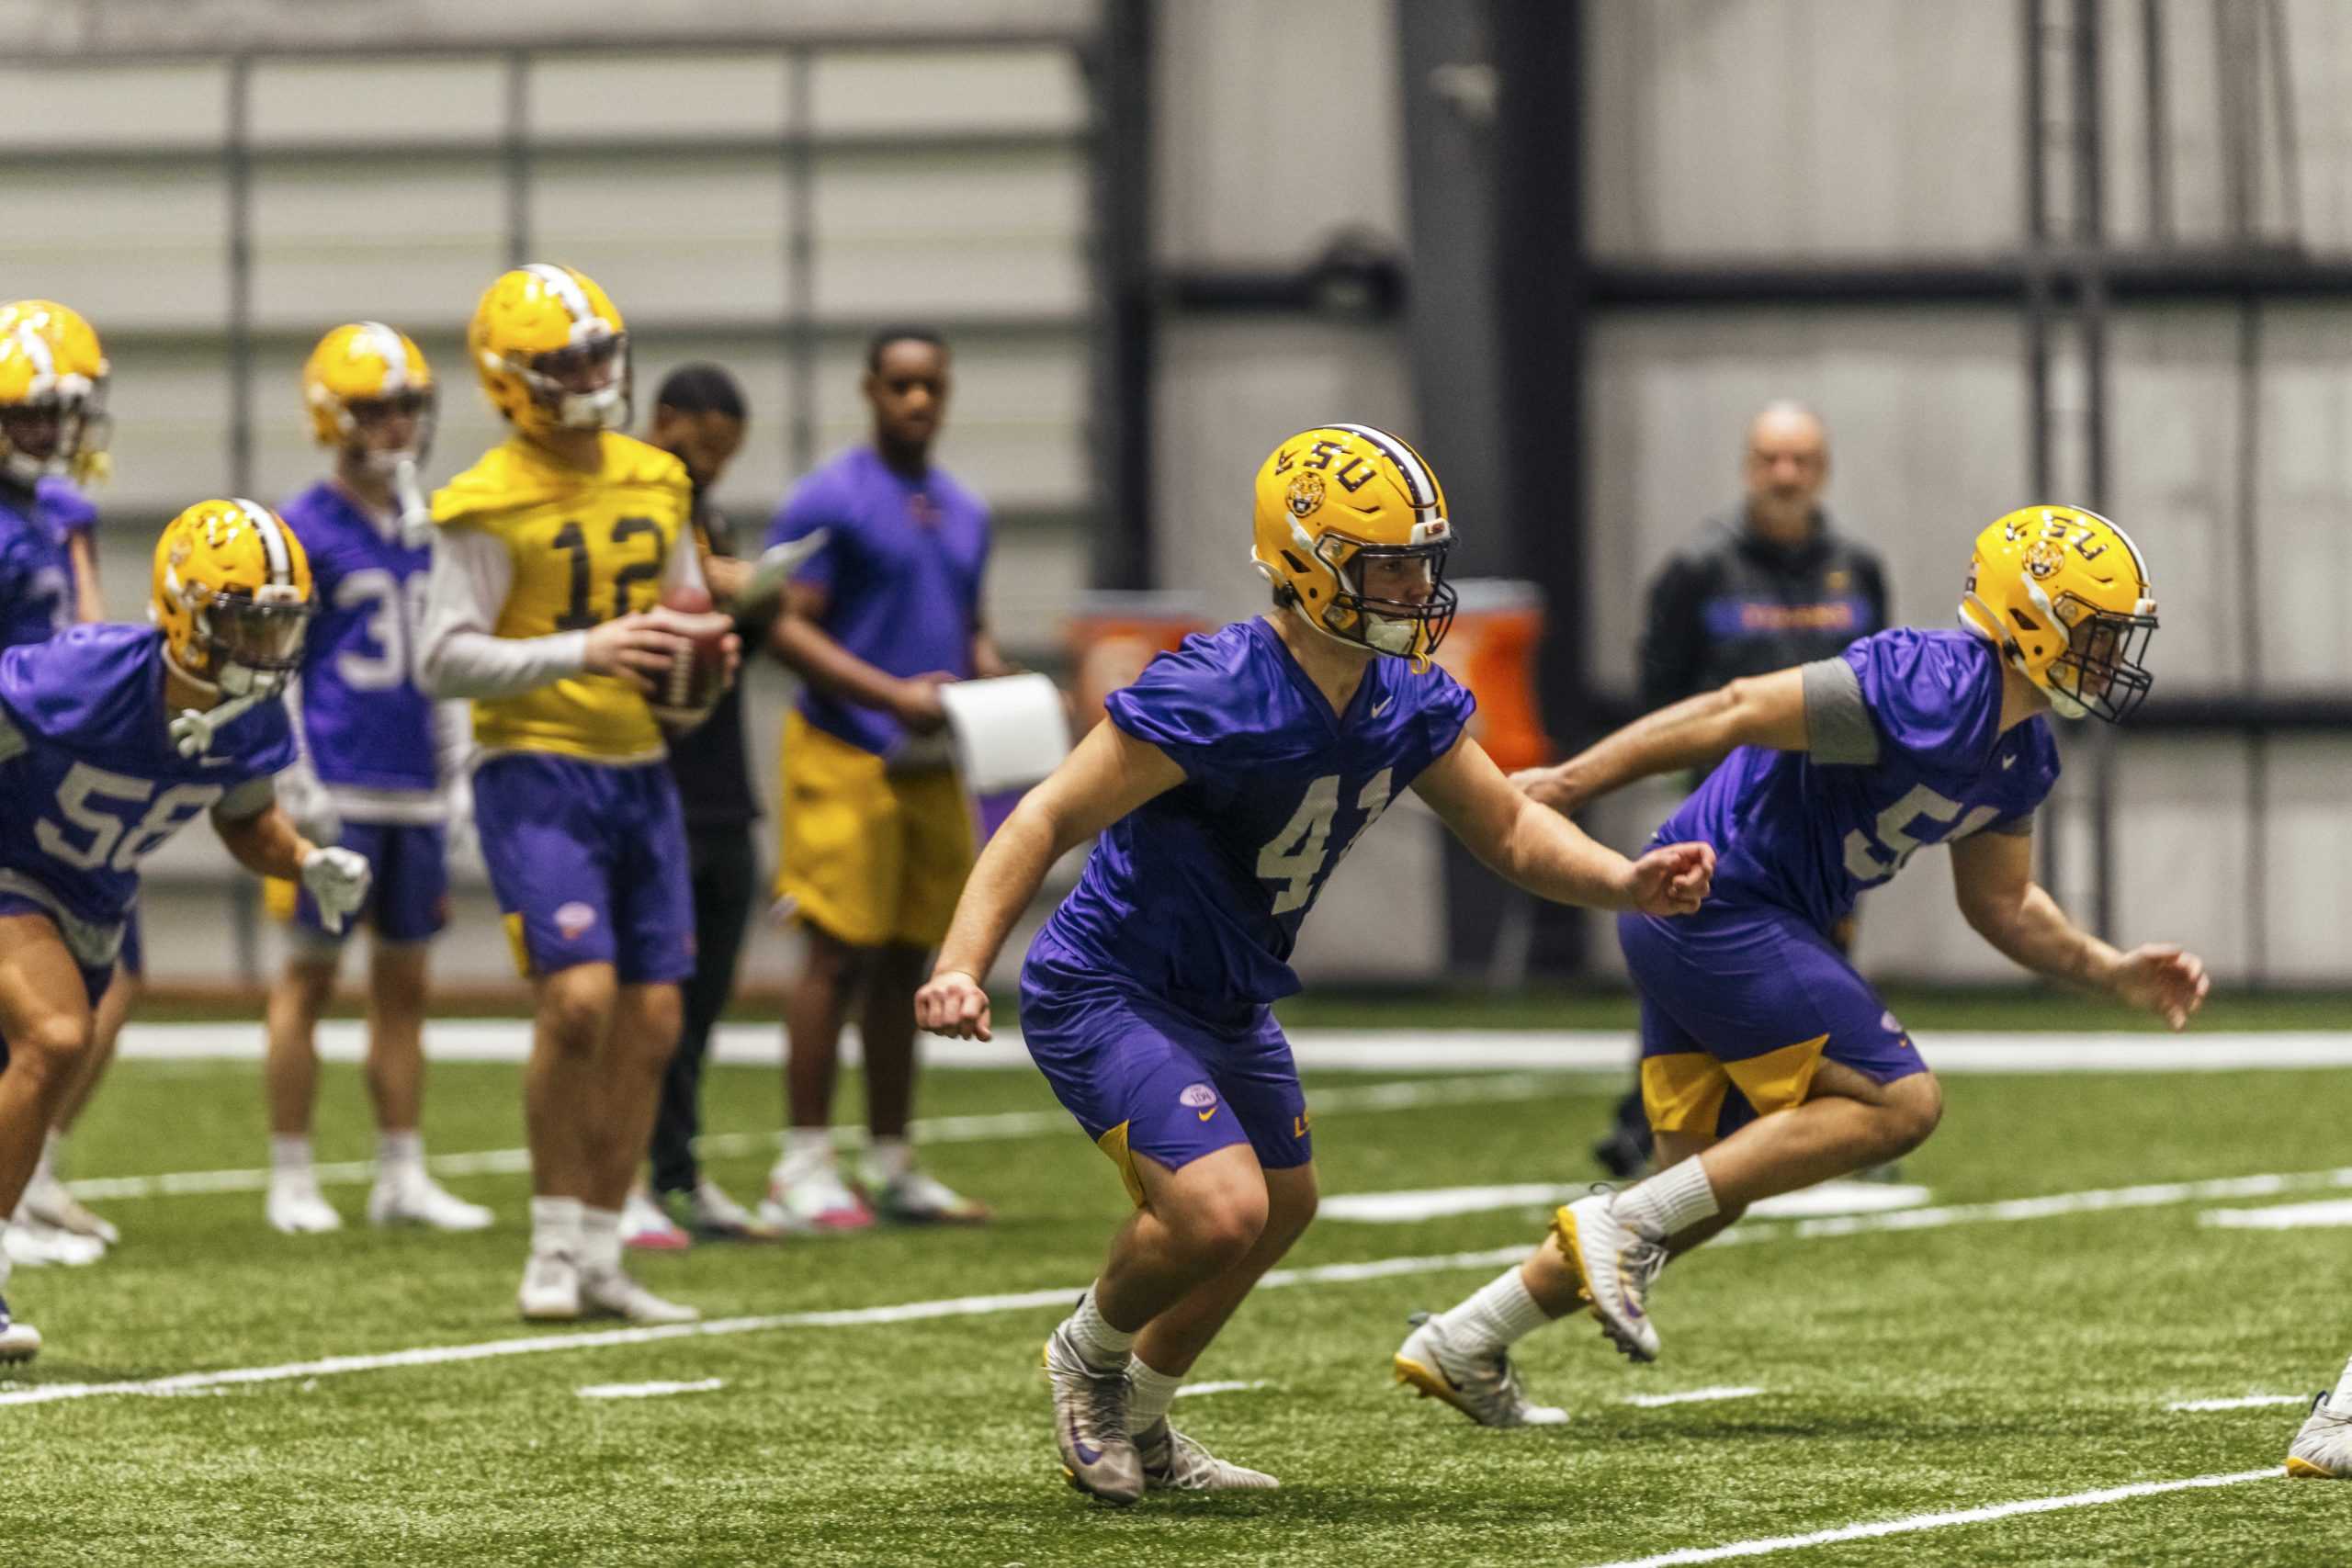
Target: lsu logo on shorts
{"x":1200,"y":1099}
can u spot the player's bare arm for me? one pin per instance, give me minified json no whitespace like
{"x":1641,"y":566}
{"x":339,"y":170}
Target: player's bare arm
{"x":801,"y":640}
{"x":265,"y":842}
{"x":1536,"y":847}
{"x":1108,"y":776}
{"x":1993,"y":880}
{"x":1697,"y":732}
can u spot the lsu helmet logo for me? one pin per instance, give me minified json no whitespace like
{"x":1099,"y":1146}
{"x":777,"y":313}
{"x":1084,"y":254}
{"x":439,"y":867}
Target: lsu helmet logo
{"x":1306,"y":494}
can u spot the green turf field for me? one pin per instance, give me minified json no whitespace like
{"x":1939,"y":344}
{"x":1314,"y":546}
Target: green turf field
{"x":1904,"y":1373}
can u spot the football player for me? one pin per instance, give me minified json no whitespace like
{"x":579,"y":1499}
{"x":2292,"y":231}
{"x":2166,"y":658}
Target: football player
{"x":380,"y":763}
{"x":1231,"y":778}
{"x":548,"y":557}
{"x":1768,"y":1063}
{"x":53,"y":427}
{"x":112,"y":738}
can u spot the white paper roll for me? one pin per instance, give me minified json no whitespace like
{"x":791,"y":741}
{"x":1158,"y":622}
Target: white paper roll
{"x":1009,"y":732}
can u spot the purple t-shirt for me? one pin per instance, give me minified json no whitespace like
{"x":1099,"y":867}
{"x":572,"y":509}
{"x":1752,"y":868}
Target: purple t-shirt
{"x":1807,"y":831}
{"x":902,"y":572}
{"x":90,"y":782}
{"x":36,"y":572}
{"x":369,"y":723}
{"x":1196,"y":897}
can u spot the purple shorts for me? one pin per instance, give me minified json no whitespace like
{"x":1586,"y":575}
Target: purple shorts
{"x":1144,"y":1077}
{"x":408,"y":892}
{"x":132,"y":955}
{"x":1740,"y":1005}
{"x":588,"y":863}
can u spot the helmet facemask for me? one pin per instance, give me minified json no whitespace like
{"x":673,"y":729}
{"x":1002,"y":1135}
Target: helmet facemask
{"x":1370,"y":606}
{"x":2101,"y":673}
{"x":250,"y":644}
{"x":586,"y":383}
{"x":62,"y":430}
{"x":357,"y":416}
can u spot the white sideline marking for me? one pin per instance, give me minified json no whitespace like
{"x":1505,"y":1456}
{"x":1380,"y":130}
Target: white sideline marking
{"x":1343,"y":1050}
{"x":1411,"y":1095}
{"x":1692,"y":1396}
{"x":649,"y":1390}
{"x":2147,"y":1196}
{"x":1193,"y":1388}
{"x":2251,"y":1401}
{"x":2285,"y":1217}
{"x":1941,"y":1521}
{"x":1410,"y":1205}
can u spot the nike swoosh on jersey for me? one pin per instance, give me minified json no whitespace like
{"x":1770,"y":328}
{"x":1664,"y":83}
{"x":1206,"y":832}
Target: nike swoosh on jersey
{"x":1381,"y":707}
{"x":2009,"y":761}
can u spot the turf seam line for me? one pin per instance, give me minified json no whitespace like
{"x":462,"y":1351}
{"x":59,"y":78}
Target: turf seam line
{"x":1917,"y":1522}
{"x":647,"y":1390}
{"x":2247,"y":1402}
{"x":1689,"y":1397}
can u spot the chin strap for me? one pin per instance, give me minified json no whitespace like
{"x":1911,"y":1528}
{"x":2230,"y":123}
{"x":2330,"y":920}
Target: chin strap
{"x":193,"y":731}
{"x":415,"y":517}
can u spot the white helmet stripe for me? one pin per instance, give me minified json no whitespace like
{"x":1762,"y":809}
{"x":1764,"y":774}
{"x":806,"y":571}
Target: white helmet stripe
{"x":272,"y":542}
{"x":386,"y":345}
{"x":1421,"y":491}
{"x":567,"y":289}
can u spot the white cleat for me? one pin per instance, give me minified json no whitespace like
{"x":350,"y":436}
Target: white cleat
{"x":919,"y":1198}
{"x":418,"y":1200}
{"x":2322,"y":1449}
{"x":20,"y":1342}
{"x":48,"y":1201}
{"x":813,"y":1201}
{"x":551,"y":1291}
{"x":296,"y":1208}
{"x":31,"y":1245}
{"x":1618,"y":1265}
{"x":645,"y":1228}
{"x":1174,"y":1462}
{"x":1090,"y":1424}
{"x":609,"y":1293}
{"x":1482,"y":1386}
{"x":707,"y":1213}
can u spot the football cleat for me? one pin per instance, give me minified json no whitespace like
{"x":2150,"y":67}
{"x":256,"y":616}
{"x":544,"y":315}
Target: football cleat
{"x":417,"y":1200}
{"x":812,"y":1200}
{"x":2323,"y":1448}
{"x":295,"y":1208}
{"x":919,"y":1198}
{"x":609,"y":1293}
{"x":31,"y":1245}
{"x":1174,"y":1462}
{"x":1091,"y":1425}
{"x":707,"y":1213}
{"x":551,"y":1291}
{"x":1617,"y":1265}
{"x":1482,"y":1386}
{"x":48,"y":1201}
{"x":645,"y":1227}
{"x":19,"y":1341}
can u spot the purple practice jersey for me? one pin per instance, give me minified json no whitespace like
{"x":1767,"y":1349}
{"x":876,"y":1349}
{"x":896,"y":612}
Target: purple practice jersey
{"x":1905,"y":749}
{"x":1196,"y":897}
{"x":366,"y":722}
{"x":90,"y":782}
{"x":901,"y":570}
{"x":36,"y":572}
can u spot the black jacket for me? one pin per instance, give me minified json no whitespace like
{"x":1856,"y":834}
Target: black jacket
{"x":1730,"y":603}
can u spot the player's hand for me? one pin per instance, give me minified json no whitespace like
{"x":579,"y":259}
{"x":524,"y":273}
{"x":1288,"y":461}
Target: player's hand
{"x":951,"y":1003}
{"x":1672,"y":879}
{"x":916,"y":702}
{"x":639,"y":649}
{"x":2163,"y":979}
{"x":1549,"y":787}
{"x":337,"y":880}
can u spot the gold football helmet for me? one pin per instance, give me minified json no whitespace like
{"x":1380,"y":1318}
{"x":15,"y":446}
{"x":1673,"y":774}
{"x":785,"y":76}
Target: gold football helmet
{"x":552,"y":351}
{"x":52,"y":393}
{"x":233,"y":596}
{"x":2064,"y":593}
{"x":362,"y":373}
{"x":1351,"y":529}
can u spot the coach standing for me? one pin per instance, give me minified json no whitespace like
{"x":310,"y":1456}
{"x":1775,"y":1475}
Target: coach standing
{"x":876,"y":835}
{"x":1766,"y":585}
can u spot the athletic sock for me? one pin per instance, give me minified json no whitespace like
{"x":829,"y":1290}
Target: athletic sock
{"x":807,"y":1150}
{"x":2340,"y":1401}
{"x":4,"y":1266}
{"x":1669,"y":1203}
{"x":1148,"y":1393}
{"x":1099,"y":1345}
{"x":51,"y":1164}
{"x":1497,"y":1314}
{"x":290,"y":1154}
{"x":600,"y":1238}
{"x":555,"y":1227}
{"x":400,"y":1155}
{"x":886,"y":1159}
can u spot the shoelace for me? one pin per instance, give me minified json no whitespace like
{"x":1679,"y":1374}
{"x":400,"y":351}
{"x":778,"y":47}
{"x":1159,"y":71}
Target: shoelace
{"x":1106,"y":1405}
{"x":1643,"y":1261}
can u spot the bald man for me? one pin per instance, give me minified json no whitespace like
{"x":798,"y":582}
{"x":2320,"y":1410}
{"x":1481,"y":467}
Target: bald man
{"x":1764,"y":585}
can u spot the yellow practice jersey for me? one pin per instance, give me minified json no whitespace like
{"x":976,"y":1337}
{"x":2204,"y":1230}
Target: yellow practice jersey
{"x":586,"y":547}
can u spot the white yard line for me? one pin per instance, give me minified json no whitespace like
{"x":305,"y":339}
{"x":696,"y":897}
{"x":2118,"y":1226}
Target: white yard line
{"x":1917,"y":1522}
{"x":649,"y":1390}
{"x":2332,"y":1212}
{"x":1192,"y":1389}
{"x":1345,"y":1050}
{"x":2249,"y":1402}
{"x":1690,"y":1396}
{"x":1415,"y":1094}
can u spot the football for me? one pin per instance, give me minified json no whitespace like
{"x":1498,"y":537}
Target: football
{"x":696,"y":677}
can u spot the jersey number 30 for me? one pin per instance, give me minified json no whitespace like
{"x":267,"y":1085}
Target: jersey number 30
{"x":1297,"y":856}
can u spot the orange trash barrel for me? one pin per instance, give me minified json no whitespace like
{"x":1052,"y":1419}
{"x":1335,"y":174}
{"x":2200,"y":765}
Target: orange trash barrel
{"x":1491,"y":649}
{"x":1112,"y":636}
